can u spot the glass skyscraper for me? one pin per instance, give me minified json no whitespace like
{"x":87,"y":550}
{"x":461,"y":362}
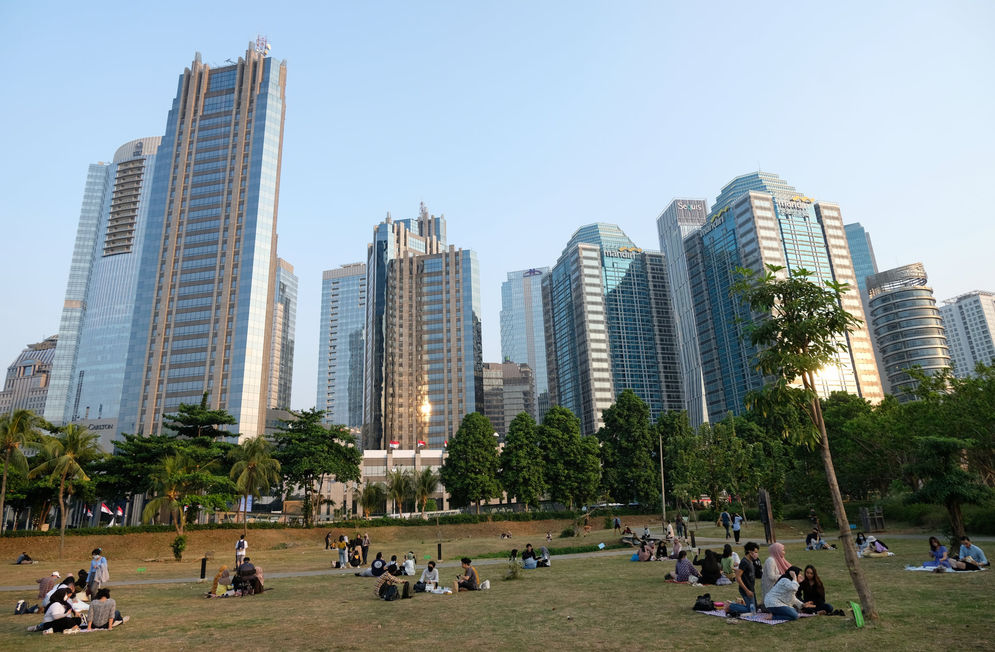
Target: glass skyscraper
{"x":523,"y":330}
{"x":208,"y":274}
{"x":862,"y":253}
{"x":284,"y":327}
{"x":610,"y":326}
{"x":969,"y":320}
{"x":341,"y":345}
{"x":758,"y":220}
{"x":679,"y":220}
{"x":88,"y":369}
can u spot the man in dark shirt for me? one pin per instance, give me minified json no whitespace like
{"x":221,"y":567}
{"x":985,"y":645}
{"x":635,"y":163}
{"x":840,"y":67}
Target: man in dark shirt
{"x":247,"y":575}
{"x":376,"y":569}
{"x":469,"y":581}
{"x":746,"y":576}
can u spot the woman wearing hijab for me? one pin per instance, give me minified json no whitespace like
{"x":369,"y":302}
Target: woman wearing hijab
{"x":775,"y":566}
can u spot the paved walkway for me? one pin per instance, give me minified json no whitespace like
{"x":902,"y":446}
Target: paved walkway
{"x":706,"y":541}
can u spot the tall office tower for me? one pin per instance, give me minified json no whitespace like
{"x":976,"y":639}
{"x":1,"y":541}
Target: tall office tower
{"x":208,"y":277}
{"x":523,"y":331}
{"x":341,"y":345}
{"x":423,"y":337}
{"x":679,"y":220}
{"x":88,"y":370}
{"x":862,"y":253}
{"x":609,"y":326}
{"x":768,"y":223}
{"x":509,"y":390}
{"x":28,"y":378}
{"x":969,"y":320}
{"x":284,"y":325}
{"x":907,"y":325}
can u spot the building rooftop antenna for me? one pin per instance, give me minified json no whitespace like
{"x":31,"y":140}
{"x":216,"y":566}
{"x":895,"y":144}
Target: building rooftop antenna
{"x":262,"y":45}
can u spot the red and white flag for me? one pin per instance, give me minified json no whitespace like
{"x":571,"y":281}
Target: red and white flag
{"x":421,"y":444}
{"x":120,"y":512}
{"x":89,"y":512}
{"x":395,"y":444}
{"x":105,"y":509}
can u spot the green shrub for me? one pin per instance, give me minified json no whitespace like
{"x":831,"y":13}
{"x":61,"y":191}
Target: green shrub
{"x":178,"y":545}
{"x":567,"y":533}
{"x":514,"y":569}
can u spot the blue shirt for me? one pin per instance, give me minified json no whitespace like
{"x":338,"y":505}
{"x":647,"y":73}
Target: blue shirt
{"x":974,"y":552}
{"x":736,"y":522}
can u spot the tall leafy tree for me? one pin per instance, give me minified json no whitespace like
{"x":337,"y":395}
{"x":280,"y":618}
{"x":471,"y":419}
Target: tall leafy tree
{"x":400,"y":488}
{"x":179,"y":482}
{"x":307,"y":451}
{"x":255,"y":471}
{"x":198,"y":422}
{"x":800,"y":328}
{"x":571,"y":461}
{"x":470,"y":471}
{"x":673,"y":428}
{"x":67,"y":455}
{"x":426,"y":482}
{"x":373,"y":498}
{"x":628,"y":451}
{"x":129,"y":470}
{"x":17,"y":429}
{"x":522,"y":474}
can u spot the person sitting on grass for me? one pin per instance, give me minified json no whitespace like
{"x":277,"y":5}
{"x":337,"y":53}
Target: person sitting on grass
{"x":393,"y":568}
{"x":430,"y":574}
{"x":661,"y":551}
{"x":813,"y":594}
{"x":746,"y":577}
{"x":104,"y":613}
{"x":814,"y":541}
{"x":376,"y":569}
{"x":780,"y":601}
{"x":676,"y":551}
{"x":59,"y":617}
{"x":469,"y":580}
{"x":941,"y":560}
{"x":861,"y":542}
{"x":876,"y":548}
{"x":408,"y":567}
{"x":645,"y":551}
{"x":356,"y":558}
{"x":729,"y":561}
{"x":24,"y":558}
{"x":247,"y":578}
{"x":684,"y":569}
{"x":543,"y":561}
{"x":711,"y":570}
{"x":774,"y":567}
{"x":529,"y":559}
{"x":971,"y":553}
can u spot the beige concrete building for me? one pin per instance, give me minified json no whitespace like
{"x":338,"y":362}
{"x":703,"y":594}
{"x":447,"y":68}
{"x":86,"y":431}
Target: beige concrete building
{"x":27,"y":382}
{"x":509,"y":390}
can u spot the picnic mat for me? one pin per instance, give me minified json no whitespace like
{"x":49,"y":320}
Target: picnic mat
{"x":755,"y":618}
{"x":932,"y":569}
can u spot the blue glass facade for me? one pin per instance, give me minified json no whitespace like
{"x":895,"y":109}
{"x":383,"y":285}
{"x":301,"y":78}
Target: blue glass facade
{"x":862,"y":253}
{"x":341,"y":345}
{"x":523,"y":329}
{"x":284,"y":336}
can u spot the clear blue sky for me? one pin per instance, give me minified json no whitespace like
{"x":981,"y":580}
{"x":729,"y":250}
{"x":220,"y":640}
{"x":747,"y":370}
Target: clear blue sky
{"x":519,"y":121}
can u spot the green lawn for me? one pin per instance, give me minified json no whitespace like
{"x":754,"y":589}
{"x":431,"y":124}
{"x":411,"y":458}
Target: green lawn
{"x":591,"y":603}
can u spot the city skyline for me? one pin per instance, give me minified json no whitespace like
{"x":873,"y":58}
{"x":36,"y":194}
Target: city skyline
{"x":576,"y":123}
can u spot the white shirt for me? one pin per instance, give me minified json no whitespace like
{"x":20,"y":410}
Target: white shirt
{"x":409,"y":566}
{"x":782,"y":594}
{"x":430,"y":575}
{"x":245,"y":547}
{"x":55,"y":612}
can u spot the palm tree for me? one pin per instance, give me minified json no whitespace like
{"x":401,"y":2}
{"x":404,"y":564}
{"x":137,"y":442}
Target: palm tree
{"x":68,"y":453}
{"x":17,"y":429}
{"x":426,"y":483}
{"x":172,"y":481}
{"x":400,"y":486}
{"x":254,"y":472}
{"x":372,"y":497}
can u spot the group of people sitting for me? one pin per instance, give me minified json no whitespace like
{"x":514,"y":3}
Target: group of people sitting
{"x":530,"y":558}
{"x":66,"y":607}
{"x":815,"y":541}
{"x":869,"y":546}
{"x":969,"y":558}
{"x":381,"y":566}
{"x":247,"y":580}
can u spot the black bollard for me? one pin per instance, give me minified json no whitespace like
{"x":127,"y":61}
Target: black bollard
{"x":440,"y":552}
{"x":203,"y":567}
{"x":693,"y":544}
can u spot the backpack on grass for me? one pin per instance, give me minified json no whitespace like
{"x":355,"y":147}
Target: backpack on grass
{"x":704,"y":603}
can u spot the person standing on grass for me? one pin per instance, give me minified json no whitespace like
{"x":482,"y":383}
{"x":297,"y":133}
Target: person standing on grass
{"x":746,"y":577}
{"x":328,"y":540}
{"x":737,"y":525}
{"x":618,"y":524}
{"x":240,"y":549}
{"x":98,"y":575}
{"x":341,"y":546}
{"x":725,"y":520}
{"x":365,"y":546}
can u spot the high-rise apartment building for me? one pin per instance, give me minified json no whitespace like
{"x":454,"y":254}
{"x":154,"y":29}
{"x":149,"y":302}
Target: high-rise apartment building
{"x":284,"y":326}
{"x":523,"y":338}
{"x":862,"y":254}
{"x":88,"y":370}
{"x":969,"y":320}
{"x":907,"y":326}
{"x":208,"y":277}
{"x":679,"y":220}
{"x":509,"y":390}
{"x":423,"y":335}
{"x":758,"y":220}
{"x":27,"y":384}
{"x":609,"y":326}
{"x":341,"y":345}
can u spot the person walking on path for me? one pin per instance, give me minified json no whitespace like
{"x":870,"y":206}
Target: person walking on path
{"x":240,"y":549}
{"x":725,"y":519}
{"x":98,"y":575}
{"x":365,"y":545}
{"x":737,"y":524}
{"x":618,"y":524}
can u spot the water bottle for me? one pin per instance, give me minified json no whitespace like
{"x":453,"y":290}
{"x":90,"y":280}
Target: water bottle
{"x":753,"y":608}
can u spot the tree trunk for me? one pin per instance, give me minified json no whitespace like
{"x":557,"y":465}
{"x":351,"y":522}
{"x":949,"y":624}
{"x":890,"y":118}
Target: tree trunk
{"x":867,"y":604}
{"x":245,"y":507}
{"x":62,"y":516}
{"x":3,"y":494}
{"x":478,"y":508}
{"x":956,"y":521}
